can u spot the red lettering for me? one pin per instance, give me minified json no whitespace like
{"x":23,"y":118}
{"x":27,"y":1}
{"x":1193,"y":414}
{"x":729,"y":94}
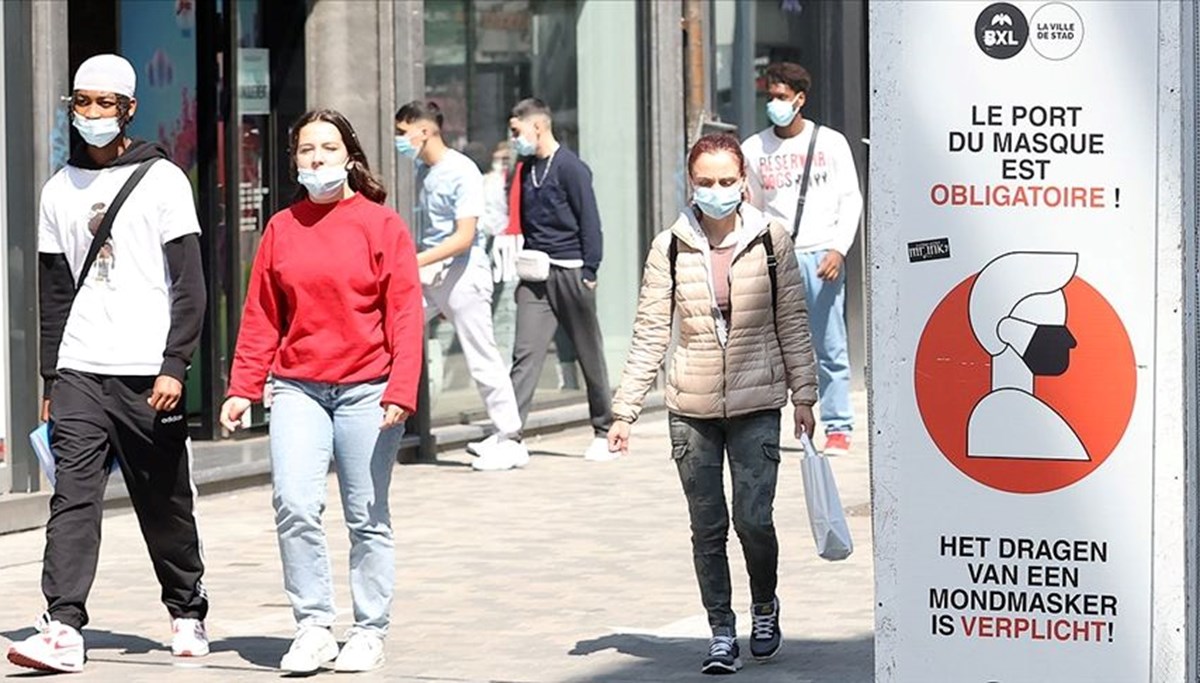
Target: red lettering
{"x":939,"y":194}
{"x":968,"y":624}
{"x":1004,"y":627}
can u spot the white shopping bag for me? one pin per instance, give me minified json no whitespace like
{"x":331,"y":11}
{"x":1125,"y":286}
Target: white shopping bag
{"x":40,"y":440}
{"x":825,"y":514}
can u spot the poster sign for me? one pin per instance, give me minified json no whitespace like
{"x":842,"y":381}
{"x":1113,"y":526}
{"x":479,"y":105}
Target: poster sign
{"x":1020,"y":395}
{"x":254,"y":81}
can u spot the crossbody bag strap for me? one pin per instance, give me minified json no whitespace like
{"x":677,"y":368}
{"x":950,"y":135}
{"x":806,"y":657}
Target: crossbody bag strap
{"x":812,"y":148}
{"x":104,"y":231}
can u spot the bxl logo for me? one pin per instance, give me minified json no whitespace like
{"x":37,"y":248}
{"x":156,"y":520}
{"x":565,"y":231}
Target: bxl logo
{"x":1001,"y":30}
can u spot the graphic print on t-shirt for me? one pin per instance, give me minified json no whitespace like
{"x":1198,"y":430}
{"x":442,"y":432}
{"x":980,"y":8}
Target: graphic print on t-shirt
{"x":784,"y":170}
{"x":105,"y":258}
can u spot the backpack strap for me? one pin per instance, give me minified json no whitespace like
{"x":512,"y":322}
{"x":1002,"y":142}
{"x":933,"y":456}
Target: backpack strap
{"x":769,"y":246}
{"x":672,"y":256}
{"x":772,"y":263}
{"x":104,"y":230}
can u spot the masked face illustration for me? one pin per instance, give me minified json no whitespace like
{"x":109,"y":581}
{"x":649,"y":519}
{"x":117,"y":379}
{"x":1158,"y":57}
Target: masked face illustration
{"x":1049,"y":350}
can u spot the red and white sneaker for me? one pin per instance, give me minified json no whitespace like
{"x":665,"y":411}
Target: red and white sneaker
{"x":836,"y":444}
{"x":189,"y":638}
{"x":55,"y":647}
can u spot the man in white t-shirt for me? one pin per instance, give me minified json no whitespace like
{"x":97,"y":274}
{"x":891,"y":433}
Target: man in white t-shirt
{"x":456,"y":272}
{"x":116,"y":342}
{"x":776,"y":158}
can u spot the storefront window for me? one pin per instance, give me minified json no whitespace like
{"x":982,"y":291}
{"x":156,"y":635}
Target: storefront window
{"x":483,"y":57}
{"x":159,"y":39}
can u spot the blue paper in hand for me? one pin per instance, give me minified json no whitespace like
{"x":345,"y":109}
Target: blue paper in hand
{"x":40,"y":440}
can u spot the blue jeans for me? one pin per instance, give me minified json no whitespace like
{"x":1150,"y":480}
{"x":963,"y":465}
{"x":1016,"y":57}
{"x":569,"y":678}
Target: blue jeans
{"x":827,"y":319}
{"x":310,"y":423}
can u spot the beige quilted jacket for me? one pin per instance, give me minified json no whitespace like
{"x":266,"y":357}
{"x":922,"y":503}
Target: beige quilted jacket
{"x":719,"y":370}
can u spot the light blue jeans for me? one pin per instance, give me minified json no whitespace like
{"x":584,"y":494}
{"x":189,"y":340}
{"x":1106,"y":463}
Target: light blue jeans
{"x":827,"y":319}
{"x":310,"y":424}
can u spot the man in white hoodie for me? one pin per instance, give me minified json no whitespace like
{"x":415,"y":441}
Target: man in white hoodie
{"x":803,"y":175}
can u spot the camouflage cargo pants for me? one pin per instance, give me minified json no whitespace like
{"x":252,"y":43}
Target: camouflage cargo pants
{"x":699,"y":448}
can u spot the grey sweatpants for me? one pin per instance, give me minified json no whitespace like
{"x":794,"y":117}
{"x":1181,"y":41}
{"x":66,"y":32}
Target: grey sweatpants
{"x":541,"y":308}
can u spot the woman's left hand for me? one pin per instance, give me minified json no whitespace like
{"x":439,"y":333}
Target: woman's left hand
{"x":805,"y":422}
{"x":394,"y":415}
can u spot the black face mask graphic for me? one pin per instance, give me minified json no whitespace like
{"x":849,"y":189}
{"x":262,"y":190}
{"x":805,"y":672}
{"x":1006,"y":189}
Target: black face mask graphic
{"x":1049,"y":352}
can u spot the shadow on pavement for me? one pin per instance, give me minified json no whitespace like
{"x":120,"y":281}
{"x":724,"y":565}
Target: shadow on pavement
{"x":261,"y":651}
{"x":534,"y":452}
{"x":800,"y":661}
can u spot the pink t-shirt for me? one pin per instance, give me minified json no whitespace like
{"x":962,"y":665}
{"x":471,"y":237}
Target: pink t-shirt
{"x":722,"y":257}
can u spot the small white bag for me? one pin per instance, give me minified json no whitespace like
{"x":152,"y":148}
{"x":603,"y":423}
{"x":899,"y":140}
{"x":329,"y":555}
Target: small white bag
{"x":825,"y":514}
{"x":533,"y":265}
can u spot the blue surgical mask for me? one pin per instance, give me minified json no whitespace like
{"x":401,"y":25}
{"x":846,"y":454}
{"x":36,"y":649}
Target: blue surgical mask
{"x":717,"y":201}
{"x":405,"y":147}
{"x":781,"y":112}
{"x":523,"y":147}
{"x":324,"y":183}
{"x":97,"y":132}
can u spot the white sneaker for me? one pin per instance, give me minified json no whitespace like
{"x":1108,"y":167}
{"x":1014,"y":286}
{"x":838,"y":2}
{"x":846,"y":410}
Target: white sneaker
{"x":478,"y":448}
{"x":363,"y":651}
{"x":55,"y":647}
{"x":598,"y":451}
{"x":504,"y":455}
{"x":189,"y":638}
{"x":314,"y":647}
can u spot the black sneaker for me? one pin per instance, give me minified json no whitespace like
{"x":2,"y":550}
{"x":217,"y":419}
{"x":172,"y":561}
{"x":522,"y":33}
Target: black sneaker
{"x":765,"y":637}
{"x":723,"y":656}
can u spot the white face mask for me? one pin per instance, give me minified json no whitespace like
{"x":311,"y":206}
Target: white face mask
{"x":97,"y":132}
{"x":323,"y":184}
{"x":498,"y":166}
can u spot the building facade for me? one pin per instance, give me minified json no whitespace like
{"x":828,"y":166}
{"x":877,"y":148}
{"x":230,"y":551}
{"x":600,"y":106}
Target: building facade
{"x":220,"y":82}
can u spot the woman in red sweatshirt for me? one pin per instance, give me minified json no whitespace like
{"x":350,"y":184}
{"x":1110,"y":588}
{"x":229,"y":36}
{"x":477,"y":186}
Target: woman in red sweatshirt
{"x":334,"y":316}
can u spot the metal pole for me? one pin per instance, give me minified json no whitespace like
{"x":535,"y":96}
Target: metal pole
{"x":744,"y":76}
{"x":696,"y":85}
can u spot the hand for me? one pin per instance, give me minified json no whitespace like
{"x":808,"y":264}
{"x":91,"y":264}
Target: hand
{"x":45,"y":410}
{"x":166,"y":393}
{"x":618,"y":437}
{"x":393,"y":415}
{"x":504,"y":257}
{"x":805,"y":422}
{"x":232,"y":411}
{"x":590,"y":284}
{"x":831,"y":265}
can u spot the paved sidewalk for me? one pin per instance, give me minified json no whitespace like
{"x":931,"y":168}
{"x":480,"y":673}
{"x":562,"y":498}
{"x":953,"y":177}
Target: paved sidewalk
{"x":566,"y":571}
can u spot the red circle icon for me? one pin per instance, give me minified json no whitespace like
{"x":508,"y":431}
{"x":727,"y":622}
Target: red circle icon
{"x":1049,"y":433}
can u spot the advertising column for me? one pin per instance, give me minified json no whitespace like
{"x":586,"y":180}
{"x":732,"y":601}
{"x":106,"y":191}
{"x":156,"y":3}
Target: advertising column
{"x":1014,"y":483}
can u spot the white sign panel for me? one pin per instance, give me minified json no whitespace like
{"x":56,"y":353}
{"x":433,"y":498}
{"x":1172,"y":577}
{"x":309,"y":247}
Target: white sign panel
{"x":254,"y":81}
{"x":1017,"y":385}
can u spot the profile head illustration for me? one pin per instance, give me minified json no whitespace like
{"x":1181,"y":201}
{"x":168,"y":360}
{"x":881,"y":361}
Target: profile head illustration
{"x":1018,"y":314}
{"x":1017,"y":305}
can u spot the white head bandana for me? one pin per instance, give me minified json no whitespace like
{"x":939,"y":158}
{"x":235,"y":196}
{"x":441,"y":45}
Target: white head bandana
{"x":106,"y":73}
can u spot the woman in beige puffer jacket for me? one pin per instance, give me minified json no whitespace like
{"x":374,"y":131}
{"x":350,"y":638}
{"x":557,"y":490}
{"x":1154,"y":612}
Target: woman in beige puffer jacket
{"x":736,"y":349}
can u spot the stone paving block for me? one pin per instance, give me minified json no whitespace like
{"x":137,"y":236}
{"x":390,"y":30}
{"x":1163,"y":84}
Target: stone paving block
{"x":567,"y":571}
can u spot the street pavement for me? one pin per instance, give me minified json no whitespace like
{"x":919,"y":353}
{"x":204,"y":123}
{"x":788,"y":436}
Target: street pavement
{"x":566,"y":571}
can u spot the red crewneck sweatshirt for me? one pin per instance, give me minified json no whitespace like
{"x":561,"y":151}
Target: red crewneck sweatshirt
{"x":333,"y":297}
